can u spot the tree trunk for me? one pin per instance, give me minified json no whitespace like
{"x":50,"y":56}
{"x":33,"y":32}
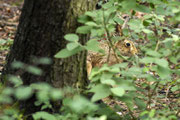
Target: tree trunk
{"x":41,"y":30}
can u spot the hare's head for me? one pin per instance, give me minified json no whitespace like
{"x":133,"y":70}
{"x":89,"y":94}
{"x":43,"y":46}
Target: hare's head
{"x":126,"y":48}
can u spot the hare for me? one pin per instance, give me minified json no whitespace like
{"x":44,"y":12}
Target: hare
{"x":125,"y":47}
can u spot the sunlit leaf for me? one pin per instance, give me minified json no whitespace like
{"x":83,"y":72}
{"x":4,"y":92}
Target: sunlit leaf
{"x":56,"y":94}
{"x":17,"y":64}
{"x":140,"y":103}
{"x":118,"y":91}
{"x":153,"y":53}
{"x":15,"y":80}
{"x":84,"y":29}
{"x":91,"y":24}
{"x":142,"y":8}
{"x":34,"y":70}
{"x":93,"y":45}
{"x":44,"y":116}
{"x":101,"y":91}
{"x":23,"y":92}
{"x":164,"y":73}
{"x":71,"y":37}
{"x":64,"y":53}
{"x":71,"y":46}
{"x":161,"y":62}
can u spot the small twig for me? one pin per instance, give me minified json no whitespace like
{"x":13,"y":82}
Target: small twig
{"x":5,"y":23}
{"x":125,"y":22}
{"x":178,"y":112}
{"x":109,"y":38}
{"x":108,"y":54}
{"x":131,"y":113}
{"x":150,"y":95}
{"x":157,"y":45}
{"x":156,"y":49}
{"x":110,"y":41}
{"x":167,"y":91}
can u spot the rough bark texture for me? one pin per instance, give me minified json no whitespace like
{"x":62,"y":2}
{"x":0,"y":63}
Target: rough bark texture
{"x":42,"y":26}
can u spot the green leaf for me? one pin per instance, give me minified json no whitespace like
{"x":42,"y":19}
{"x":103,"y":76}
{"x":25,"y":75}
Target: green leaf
{"x":42,"y":60}
{"x":56,"y":94}
{"x":118,"y":20}
{"x":6,"y":99}
{"x":126,"y":84}
{"x":147,"y":23}
{"x":91,"y":13}
{"x":136,"y":25}
{"x":174,"y":59}
{"x":135,"y":70}
{"x":147,"y":31}
{"x":175,"y":37}
{"x":23,"y":92}
{"x":15,"y":80}
{"x":93,"y":45}
{"x":125,"y":32}
{"x":84,"y":19}
{"x":72,"y":45}
{"x":111,"y":12}
{"x":101,"y":91}
{"x":81,"y":105}
{"x":107,"y":5}
{"x":161,"y":62}
{"x":44,"y":116}
{"x":153,"y":53}
{"x":2,"y":41}
{"x":142,"y":8}
{"x":121,"y":65}
{"x":91,"y":24}
{"x":147,"y":60}
{"x":43,"y":95}
{"x":84,"y":29}
{"x":46,"y":105}
{"x":40,"y":86}
{"x":160,"y":10}
{"x":7,"y":91}
{"x":167,"y":40}
{"x":106,"y":75}
{"x":64,"y":53}
{"x":105,"y":68}
{"x":127,"y":5}
{"x":71,"y":37}
{"x":17,"y":64}
{"x":34,"y":70}
{"x":152,"y":113}
{"x":6,"y":117}
{"x":108,"y":82}
{"x":97,"y":32}
{"x":175,"y":88}
{"x":118,"y":91}
{"x":164,"y":73}
{"x":140,"y":103}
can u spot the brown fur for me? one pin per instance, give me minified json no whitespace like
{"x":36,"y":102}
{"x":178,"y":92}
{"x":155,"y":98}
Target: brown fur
{"x":98,"y":59}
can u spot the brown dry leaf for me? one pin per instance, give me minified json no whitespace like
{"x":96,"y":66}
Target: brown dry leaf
{"x":9,"y":28}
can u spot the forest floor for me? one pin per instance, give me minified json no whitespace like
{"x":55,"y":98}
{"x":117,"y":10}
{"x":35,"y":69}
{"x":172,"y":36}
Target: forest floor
{"x":9,"y":15}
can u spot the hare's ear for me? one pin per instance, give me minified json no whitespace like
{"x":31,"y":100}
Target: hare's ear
{"x":119,"y":30}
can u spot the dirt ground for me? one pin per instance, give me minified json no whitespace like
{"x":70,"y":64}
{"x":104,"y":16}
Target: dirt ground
{"x":9,"y":16}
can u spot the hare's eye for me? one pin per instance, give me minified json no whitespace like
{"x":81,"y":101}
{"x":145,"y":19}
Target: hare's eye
{"x":128,"y":44}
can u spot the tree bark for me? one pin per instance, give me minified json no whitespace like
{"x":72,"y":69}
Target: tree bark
{"x":40,"y":33}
